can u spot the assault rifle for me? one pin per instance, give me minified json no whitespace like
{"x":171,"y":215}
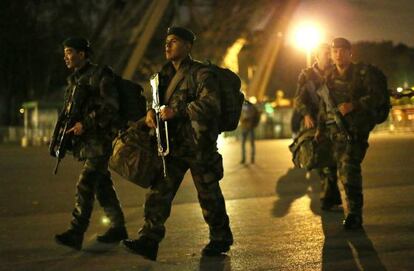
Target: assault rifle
{"x":331,"y":106}
{"x":162,"y":152}
{"x":61,"y":140}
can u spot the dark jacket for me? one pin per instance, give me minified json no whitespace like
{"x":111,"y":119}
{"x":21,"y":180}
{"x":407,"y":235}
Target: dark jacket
{"x":250,"y":116}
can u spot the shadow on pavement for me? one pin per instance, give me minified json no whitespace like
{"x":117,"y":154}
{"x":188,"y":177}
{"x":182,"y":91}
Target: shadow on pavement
{"x":219,"y":263}
{"x":294,"y":185}
{"x":346,"y":250}
{"x":99,"y":248}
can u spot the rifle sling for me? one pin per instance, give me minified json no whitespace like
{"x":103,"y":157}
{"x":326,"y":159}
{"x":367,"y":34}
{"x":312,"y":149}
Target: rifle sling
{"x":178,"y":77}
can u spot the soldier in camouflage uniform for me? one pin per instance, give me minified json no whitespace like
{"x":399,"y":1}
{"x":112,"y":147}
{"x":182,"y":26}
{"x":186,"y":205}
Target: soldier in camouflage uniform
{"x":191,"y":96}
{"x":93,"y":132}
{"x":356,"y":92}
{"x":307,"y":104}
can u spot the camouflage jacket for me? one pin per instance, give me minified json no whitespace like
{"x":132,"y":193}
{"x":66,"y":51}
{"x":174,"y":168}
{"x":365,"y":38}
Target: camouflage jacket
{"x":306,"y":99}
{"x":357,"y":86}
{"x":196,"y":100}
{"x":98,"y":111}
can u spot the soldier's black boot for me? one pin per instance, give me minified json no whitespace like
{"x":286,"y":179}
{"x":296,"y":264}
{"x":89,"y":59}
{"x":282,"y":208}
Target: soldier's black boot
{"x":329,"y":205}
{"x":216,"y":248}
{"x":143,"y":246}
{"x":352,"y":222}
{"x":113,"y":235}
{"x":70,"y":238}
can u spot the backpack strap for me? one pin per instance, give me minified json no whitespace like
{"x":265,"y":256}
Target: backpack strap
{"x":177,"y":78}
{"x":192,"y":79}
{"x":359,"y":74}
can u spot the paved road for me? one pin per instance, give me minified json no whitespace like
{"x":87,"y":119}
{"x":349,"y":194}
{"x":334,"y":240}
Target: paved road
{"x":274,"y":212}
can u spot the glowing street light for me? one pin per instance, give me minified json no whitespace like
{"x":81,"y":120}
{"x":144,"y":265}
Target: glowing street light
{"x":307,"y":37}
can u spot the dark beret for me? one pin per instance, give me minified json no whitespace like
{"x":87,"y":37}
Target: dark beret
{"x":80,"y":44}
{"x":182,"y":33}
{"x":341,"y":43}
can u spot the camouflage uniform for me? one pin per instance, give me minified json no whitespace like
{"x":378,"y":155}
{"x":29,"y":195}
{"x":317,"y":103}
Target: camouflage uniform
{"x":193,"y":134}
{"x":357,"y":86}
{"x":307,"y":103}
{"x":99,"y":117}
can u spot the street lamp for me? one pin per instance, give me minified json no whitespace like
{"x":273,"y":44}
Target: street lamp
{"x":307,"y":37}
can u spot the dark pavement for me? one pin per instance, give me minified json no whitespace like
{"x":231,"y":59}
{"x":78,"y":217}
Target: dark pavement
{"x":274,"y":213}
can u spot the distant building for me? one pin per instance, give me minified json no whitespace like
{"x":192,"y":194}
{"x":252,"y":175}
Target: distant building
{"x":39,"y":122}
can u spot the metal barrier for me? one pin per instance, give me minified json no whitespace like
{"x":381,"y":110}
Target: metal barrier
{"x":11,"y":134}
{"x":272,"y":125}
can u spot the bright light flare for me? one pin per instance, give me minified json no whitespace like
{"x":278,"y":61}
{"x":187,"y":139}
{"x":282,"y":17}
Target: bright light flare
{"x":308,"y":36}
{"x":400,"y":89}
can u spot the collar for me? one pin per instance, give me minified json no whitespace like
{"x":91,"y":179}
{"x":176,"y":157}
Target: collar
{"x":82,"y":70}
{"x":186,"y":62}
{"x":348,"y":72}
{"x":79,"y":72}
{"x":169,"y":66}
{"x":321,"y":72}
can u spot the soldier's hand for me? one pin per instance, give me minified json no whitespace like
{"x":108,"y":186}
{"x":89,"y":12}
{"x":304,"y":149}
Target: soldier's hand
{"x":52,"y":150}
{"x":318,"y":136}
{"x":345,"y":108}
{"x":308,"y":122}
{"x":77,"y":129}
{"x":166,"y":113}
{"x":150,"y":119}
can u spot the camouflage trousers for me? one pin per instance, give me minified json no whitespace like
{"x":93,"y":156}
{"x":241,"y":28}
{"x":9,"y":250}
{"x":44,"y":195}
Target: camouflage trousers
{"x":348,"y":157}
{"x":329,"y":185}
{"x":206,"y":175}
{"x":95,"y":180}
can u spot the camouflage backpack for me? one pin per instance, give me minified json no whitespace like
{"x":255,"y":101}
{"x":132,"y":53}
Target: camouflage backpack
{"x":371,"y":73}
{"x":132,"y":103}
{"x":231,"y":97}
{"x":308,"y":154}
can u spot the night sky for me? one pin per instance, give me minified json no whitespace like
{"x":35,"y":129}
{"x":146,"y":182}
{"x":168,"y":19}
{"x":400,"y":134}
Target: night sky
{"x":361,"y":20}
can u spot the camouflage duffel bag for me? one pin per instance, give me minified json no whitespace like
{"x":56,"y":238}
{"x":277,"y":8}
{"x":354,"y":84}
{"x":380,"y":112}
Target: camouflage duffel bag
{"x":309,"y":154}
{"x":134,"y":155}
